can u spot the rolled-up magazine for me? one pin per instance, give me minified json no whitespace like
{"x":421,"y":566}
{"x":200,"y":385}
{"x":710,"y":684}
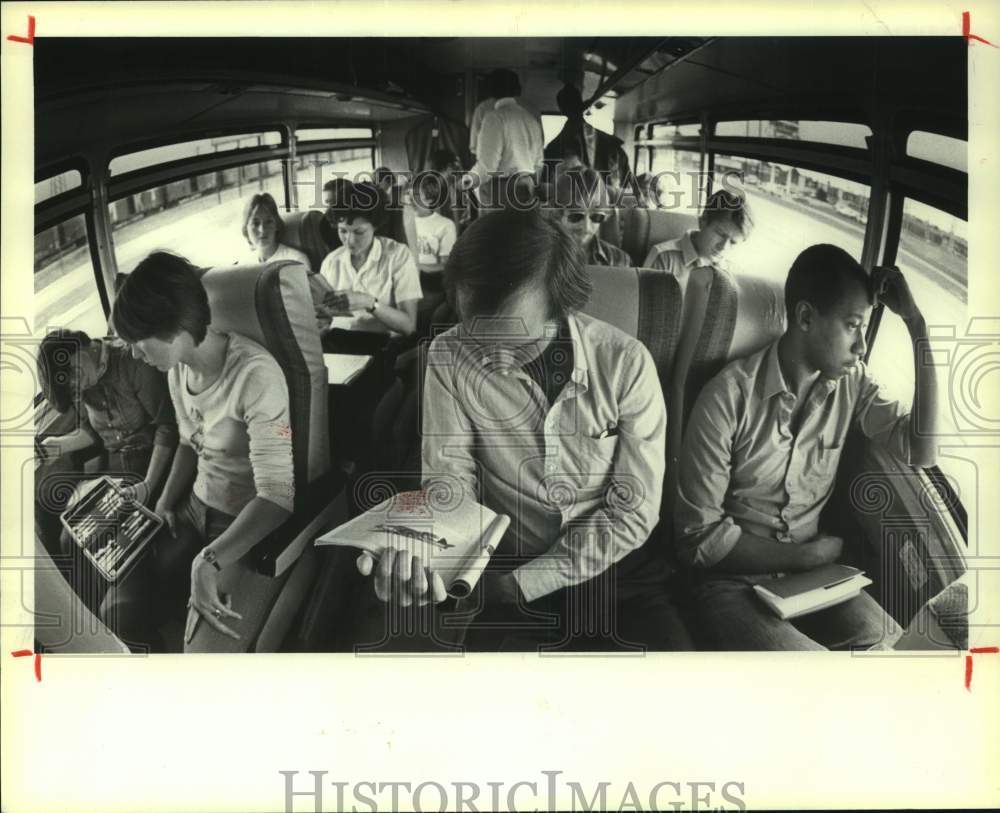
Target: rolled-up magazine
{"x":455,"y":540}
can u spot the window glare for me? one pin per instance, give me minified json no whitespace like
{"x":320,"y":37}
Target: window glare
{"x":190,"y":149}
{"x":56,"y":185}
{"x":949,"y":152}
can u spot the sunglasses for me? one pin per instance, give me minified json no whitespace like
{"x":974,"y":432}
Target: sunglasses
{"x":578,"y":217}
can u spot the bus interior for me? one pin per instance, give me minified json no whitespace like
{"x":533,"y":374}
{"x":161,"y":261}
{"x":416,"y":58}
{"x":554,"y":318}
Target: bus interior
{"x":861,"y":142}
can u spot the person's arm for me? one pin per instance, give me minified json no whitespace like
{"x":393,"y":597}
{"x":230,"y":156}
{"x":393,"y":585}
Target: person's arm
{"x":630,"y":510}
{"x":489,"y":147}
{"x":150,"y":388}
{"x":447,"y":456}
{"x":706,"y":536}
{"x":58,"y":445}
{"x":911,"y":438}
{"x":182,"y":474}
{"x":262,"y":399}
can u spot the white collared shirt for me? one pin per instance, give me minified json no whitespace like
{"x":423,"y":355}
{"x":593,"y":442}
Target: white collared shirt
{"x":581,"y":479}
{"x":510,"y":141}
{"x":677,"y":257}
{"x":389,"y":274}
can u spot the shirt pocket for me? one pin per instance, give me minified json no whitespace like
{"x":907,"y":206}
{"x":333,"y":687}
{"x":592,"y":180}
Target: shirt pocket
{"x":819,"y":476}
{"x":588,"y":461}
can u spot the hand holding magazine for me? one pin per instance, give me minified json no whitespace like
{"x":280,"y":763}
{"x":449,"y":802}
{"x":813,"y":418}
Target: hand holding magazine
{"x":454,"y":541}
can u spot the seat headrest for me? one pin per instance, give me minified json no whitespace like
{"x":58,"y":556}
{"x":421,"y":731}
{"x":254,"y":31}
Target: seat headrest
{"x":310,"y":233}
{"x":644,"y":228}
{"x":270,"y":303}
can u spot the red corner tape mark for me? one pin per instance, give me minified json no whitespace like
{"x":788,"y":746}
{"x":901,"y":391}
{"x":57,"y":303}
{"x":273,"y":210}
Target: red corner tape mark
{"x":967,"y":31}
{"x":22,"y":653}
{"x":977,"y":650}
{"x":30,"y":39}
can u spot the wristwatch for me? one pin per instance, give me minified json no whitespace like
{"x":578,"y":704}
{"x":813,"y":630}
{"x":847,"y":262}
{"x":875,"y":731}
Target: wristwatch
{"x":374,"y":305}
{"x":211,"y":557}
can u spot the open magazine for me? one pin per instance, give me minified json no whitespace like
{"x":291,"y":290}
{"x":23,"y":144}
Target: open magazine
{"x":455,"y":540}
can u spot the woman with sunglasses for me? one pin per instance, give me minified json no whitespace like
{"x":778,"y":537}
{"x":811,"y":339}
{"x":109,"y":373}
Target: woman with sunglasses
{"x":582,"y":201}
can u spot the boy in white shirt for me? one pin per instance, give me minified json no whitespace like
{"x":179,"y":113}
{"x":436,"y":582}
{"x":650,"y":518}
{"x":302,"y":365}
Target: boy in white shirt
{"x":436,"y":234}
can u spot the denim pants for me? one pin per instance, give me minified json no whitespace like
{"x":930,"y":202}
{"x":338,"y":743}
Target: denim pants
{"x":733,"y":618}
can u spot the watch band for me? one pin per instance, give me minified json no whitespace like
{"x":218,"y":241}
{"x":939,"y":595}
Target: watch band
{"x":211,"y":557}
{"x":372,"y":308}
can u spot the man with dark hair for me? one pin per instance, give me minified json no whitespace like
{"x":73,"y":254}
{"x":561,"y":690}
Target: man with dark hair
{"x":557,"y":420}
{"x":579,"y":140}
{"x":581,"y":198}
{"x":724,"y":222}
{"x":762,"y":446}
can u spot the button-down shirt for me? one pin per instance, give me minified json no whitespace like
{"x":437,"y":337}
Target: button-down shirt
{"x":510,"y":141}
{"x":581,"y":478}
{"x":601,"y":252}
{"x":677,"y":257}
{"x":389,"y":274}
{"x":129,"y":407}
{"x":743,"y":469}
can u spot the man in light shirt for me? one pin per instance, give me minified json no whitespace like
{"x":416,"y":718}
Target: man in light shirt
{"x":761,"y":451}
{"x":557,"y":420}
{"x":508,"y":148}
{"x":724,"y":222}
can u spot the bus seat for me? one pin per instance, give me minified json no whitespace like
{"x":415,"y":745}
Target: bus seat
{"x":310,"y":233}
{"x":644,"y":228}
{"x":270,"y":303}
{"x":725,"y":317}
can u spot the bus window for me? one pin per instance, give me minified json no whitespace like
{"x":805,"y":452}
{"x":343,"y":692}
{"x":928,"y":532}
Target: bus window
{"x":190,"y":149}
{"x":198,"y":218}
{"x":679,"y":178}
{"x":950,"y":152}
{"x":675,"y":130}
{"x":314,"y":169}
{"x":551,"y":126}
{"x":66,"y":293}
{"x":332,"y":133}
{"x":56,"y":185}
{"x":824,"y":132}
{"x":933,"y":257}
{"x":792,"y":209}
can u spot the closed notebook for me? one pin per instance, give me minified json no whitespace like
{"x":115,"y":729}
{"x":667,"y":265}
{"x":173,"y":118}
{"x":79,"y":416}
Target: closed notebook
{"x":455,"y":538}
{"x":802,"y":593}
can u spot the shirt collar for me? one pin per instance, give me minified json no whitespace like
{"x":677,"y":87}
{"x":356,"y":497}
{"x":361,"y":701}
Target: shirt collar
{"x":597,"y":250}
{"x":506,"y":101}
{"x":688,"y":252}
{"x":581,"y":368}
{"x":774,"y":379}
{"x":374,"y":255}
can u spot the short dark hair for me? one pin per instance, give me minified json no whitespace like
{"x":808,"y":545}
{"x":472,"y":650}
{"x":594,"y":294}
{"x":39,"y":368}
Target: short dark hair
{"x":382,"y":174}
{"x":160,"y":298}
{"x":569,"y":100}
{"x":723,"y":203}
{"x":820,"y":275}
{"x":56,"y":354}
{"x":579,"y":184}
{"x":440,"y":160}
{"x":503,"y":250}
{"x":502,"y":82}
{"x":264,"y":201}
{"x":432,"y":184}
{"x":364,"y":200}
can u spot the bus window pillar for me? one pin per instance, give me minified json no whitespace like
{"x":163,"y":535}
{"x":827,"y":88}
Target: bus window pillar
{"x":104,"y":258}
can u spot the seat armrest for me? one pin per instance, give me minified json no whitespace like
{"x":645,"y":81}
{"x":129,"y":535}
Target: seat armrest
{"x":279,"y":549}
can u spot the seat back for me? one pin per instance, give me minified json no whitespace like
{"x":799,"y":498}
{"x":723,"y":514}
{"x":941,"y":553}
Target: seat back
{"x":644,"y":228}
{"x":725,"y":317}
{"x":271,"y":304}
{"x":309,"y":232}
